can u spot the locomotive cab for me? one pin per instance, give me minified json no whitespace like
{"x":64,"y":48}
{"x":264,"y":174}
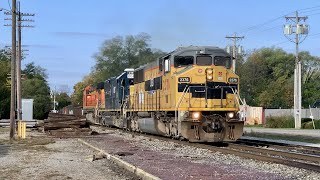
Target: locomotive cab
{"x":206,"y":106}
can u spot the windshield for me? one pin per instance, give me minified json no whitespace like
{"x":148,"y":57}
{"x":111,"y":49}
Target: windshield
{"x":204,"y":60}
{"x":222,"y":61}
{"x":183,"y":61}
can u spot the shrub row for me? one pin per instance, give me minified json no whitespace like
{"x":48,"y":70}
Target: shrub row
{"x":288,"y":122}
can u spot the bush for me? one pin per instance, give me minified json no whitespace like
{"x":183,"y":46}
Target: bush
{"x":305,"y":120}
{"x":279,"y":122}
{"x":309,"y":124}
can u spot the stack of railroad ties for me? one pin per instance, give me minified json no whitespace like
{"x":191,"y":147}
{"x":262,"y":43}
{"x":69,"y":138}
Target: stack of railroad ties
{"x":65,"y":125}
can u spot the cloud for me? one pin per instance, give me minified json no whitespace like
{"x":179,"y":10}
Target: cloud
{"x":80,"y":34}
{"x":45,"y":46}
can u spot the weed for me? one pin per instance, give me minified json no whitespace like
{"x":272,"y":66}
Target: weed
{"x":279,"y":122}
{"x":284,"y":137}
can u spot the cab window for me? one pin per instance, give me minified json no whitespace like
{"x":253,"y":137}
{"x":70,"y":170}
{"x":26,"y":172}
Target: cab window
{"x":180,"y":61}
{"x":204,"y":60}
{"x":222,"y":61}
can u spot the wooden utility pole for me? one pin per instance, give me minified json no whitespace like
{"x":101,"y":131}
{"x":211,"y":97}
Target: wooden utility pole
{"x":19,"y":100}
{"x":19,"y":56}
{"x":234,"y":38}
{"x":13,"y":72}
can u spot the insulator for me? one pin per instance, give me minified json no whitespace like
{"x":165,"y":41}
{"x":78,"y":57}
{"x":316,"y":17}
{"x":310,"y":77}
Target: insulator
{"x":287,"y":30}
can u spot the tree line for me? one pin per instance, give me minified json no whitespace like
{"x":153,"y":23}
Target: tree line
{"x":266,"y":74}
{"x":34,"y":86}
{"x":115,"y":55}
{"x":267,"y":78}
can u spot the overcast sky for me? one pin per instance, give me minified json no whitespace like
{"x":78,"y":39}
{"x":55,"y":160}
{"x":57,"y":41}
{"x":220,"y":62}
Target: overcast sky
{"x":67,"y":33}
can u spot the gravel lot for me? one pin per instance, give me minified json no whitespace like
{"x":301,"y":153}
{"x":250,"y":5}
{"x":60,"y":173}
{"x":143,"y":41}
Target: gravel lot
{"x":44,"y":158}
{"x":228,"y":164}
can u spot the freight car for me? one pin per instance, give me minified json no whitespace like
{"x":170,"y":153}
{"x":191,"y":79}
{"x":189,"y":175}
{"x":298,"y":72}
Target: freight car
{"x":190,"y":93}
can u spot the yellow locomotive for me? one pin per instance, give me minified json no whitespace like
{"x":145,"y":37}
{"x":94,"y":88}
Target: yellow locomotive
{"x":190,"y":93}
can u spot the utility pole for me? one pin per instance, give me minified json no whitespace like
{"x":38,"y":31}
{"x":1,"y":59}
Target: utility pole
{"x":13,"y":72}
{"x":19,"y":58}
{"x":301,"y":32}
{"x":19,"y":99}
{"x":234,"y":38}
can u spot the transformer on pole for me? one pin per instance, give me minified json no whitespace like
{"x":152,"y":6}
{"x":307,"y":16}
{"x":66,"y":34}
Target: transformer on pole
{"x":235,"y":49}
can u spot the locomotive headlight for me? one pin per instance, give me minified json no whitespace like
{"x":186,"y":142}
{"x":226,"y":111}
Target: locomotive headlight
{"x":230,"y":115}
{"x":209,"y":74}
{"x":196,"y":115}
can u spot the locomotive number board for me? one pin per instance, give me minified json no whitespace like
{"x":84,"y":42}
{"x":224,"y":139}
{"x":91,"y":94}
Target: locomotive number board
{"x":184,"y":79}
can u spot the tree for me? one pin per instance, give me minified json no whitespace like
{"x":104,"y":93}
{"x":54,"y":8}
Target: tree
{"x":76,"y":97}
{"x":310,"y":78}
{"x":115,"y":55}
{"x":119,"y":53}
{"x":4,"y":89}
{"x":63,"y":100}
{"x":33,"y":71}
{"x":266,"y":78}
{"x":36,"y":87}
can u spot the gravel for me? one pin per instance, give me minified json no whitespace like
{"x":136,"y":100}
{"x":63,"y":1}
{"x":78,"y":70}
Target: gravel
{"x":203,"y":156}
{"x":54,"y":159}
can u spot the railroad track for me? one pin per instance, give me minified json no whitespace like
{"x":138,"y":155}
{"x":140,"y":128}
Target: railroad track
{"x":280,"y":146}
{"x":256,"y":151}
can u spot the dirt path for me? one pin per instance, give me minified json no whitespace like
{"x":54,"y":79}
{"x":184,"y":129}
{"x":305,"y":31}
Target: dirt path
{"x":41,"y":157}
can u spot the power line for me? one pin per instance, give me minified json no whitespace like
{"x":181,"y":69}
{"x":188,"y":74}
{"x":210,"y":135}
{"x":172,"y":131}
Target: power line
{"x":309,"y":8}
{"x":258,"y":26}
{"x":10,"y":6}
{"x":313,"y":14}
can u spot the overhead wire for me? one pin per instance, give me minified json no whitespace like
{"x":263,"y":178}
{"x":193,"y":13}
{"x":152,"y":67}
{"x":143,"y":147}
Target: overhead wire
{"x":10,"y":6}
{"x":258,"y":26}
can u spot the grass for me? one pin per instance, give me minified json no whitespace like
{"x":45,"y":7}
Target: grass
{"x":255,"y":126}
{"x":37,"y":144}
{"x":279,"y":122}
{"x":2,"y":129}
{"x":10,"y":172}
{"x":284,"y":137}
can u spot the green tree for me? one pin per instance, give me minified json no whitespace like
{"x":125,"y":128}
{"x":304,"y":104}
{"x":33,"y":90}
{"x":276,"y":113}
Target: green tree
{"x":310,"y":78}
{"x":266,"y":78}
{"x":4,"y":89}
{"x":36,"y":87}
{"x":115,"y":55}
{"x":77,"y":96}
{"x":119,"y":53}
{"x":33,"y":71}
{"x":63,"y":100}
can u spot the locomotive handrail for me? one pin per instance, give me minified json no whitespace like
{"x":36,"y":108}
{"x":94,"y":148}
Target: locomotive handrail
{"x":179,"y":102}
{"x":187,"y":88}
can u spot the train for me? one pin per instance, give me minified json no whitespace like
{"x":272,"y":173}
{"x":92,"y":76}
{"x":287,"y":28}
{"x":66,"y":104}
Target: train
{"x":190,"y":94}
